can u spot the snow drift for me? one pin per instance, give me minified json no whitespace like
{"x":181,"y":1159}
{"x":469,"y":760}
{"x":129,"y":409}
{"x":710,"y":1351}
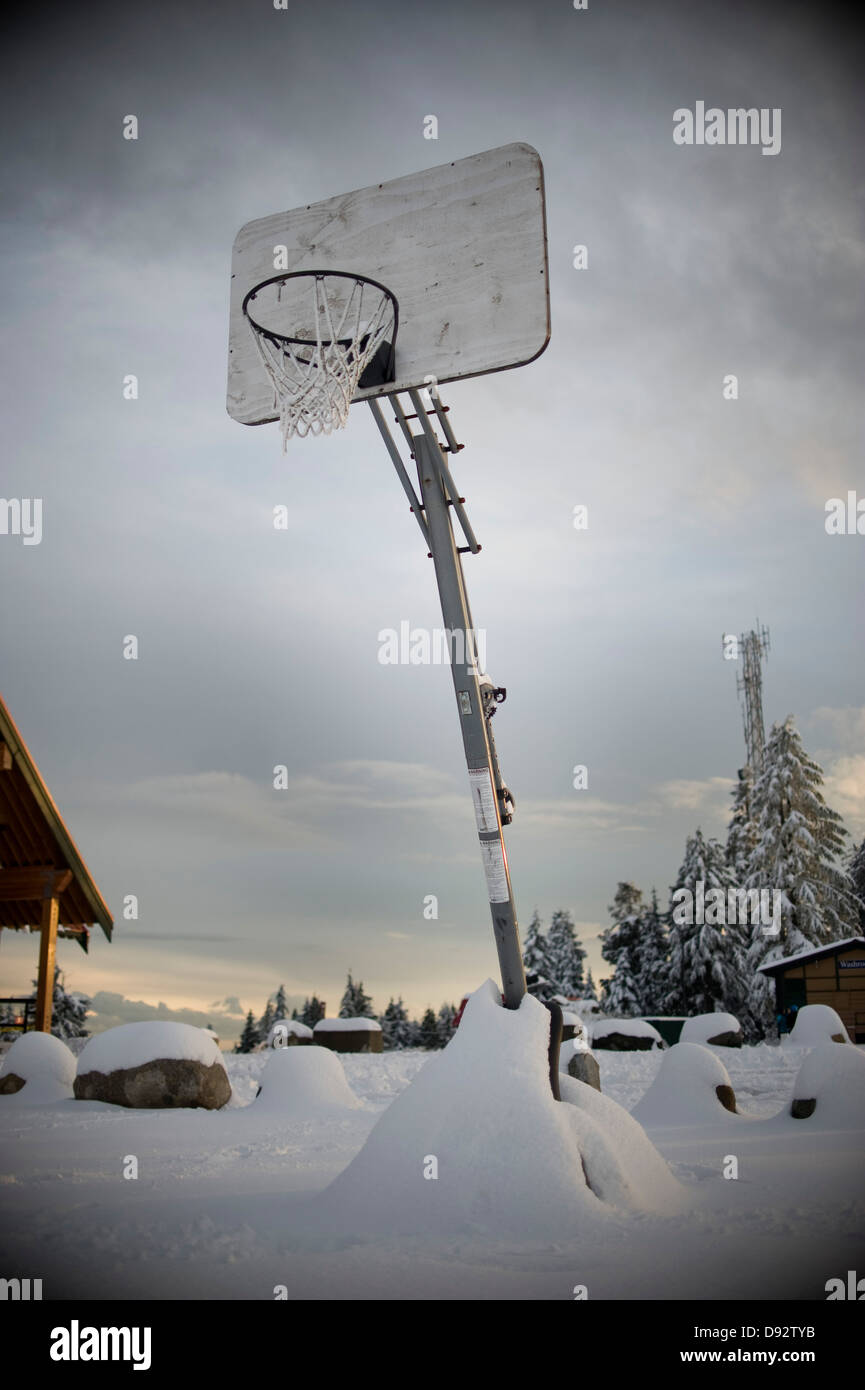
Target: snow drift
{"x":304,"y":1082}
{"x":478,"y":1142}
{"x":44,"y":1064}
{"x":703,"y":1027}
{"x":685,"y":1090}
{"x":834,"y":1077}
{"x":815,"y":1024}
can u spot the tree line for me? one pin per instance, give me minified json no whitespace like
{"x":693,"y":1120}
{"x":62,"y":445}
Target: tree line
{"x":431,"y":1031}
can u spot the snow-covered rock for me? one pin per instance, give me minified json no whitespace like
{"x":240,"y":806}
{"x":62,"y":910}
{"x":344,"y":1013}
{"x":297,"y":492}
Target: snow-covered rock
{"x":478,"y":1141}
{"x":830,"y":1085}
{"x":692,"y":1087}
{"x":153,"y":1066}
{"x":304,"y":1082}
{"x":347,"y":1025}
{"x":719,"y":1029}
{"x":815,"y":1024}
{"x":38,"y":1067}
{"x":288,"y":1032}
{"x":625,"y":1035}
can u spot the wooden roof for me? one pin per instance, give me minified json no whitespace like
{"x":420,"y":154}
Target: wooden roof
{"x":37,"y":854}
{"x":834,"y":948}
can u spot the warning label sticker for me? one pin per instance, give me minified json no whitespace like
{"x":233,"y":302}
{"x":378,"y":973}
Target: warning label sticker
{"x":483,"y":799}
{"x":494,"y":868}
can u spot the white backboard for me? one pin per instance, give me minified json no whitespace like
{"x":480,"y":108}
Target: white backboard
{"x":463,"y":247}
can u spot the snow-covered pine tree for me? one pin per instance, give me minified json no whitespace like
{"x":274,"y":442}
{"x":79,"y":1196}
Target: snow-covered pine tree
{"x":565,"y":955}
{"x":69,"y":1011}
{"x":446,"y":1015}
{"x":535,"y":962}
{"x":280,"y":1005}
{"x":704,"y":970}
{"x":800,"y":840}
{"x":249,"y":1036}
{"x":355,"y":1003}
{"x":590,"y":989}
{"x":621,"y":946}
{"x":741,"y":830}
{"x":265,"y":1023}
{"x":856,"y":874}
{"x":395,"y":1026}
{"x":652,"y":985}
{"x":312,"y":1011}
{"x":429,"y":1033}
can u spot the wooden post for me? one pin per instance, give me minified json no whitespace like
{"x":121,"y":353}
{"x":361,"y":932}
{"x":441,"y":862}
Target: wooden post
{"x":47,"y":952}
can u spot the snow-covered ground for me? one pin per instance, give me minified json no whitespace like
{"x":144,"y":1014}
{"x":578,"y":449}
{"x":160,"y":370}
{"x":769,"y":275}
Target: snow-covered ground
{"x":222,"y":1204}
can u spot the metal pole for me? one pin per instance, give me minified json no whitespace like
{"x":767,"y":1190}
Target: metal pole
{"x":473,"y":723}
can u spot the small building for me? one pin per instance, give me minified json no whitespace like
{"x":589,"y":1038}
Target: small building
{"x":832,"y":974}
{"x":45,"y":886}
{"x":348,"y":1034}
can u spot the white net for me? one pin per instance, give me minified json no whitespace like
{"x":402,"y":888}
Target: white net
{"x":338,"y":324}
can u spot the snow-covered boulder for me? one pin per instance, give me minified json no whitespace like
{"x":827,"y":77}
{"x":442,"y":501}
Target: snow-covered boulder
{"x":572,"y":1026}
{"x":151,"y":1066}
{"x":304,"y":1082}
{"x":625,"y":1035}
{"x":692,"y":1087}
{"x":721,"y":1030}
{"x":477,"y":1141}
{"x":39,"y":1067}
{"x":348,"y":1034}
{"x":831,"y":1084}
{"x":815,"y":1024}
{"x":288,"y":1032}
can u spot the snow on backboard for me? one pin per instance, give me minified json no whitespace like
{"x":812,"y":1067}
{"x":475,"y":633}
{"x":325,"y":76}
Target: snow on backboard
{"x":463,"y":247}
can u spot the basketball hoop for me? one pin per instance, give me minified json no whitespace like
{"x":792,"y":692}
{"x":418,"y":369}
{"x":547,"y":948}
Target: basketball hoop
{"x":345,"y":328}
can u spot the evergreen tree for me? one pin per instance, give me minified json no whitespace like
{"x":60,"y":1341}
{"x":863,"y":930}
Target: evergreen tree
{"x":429,"y":1033}
{"x":652,"y":984}
{"x":535,"y":962}
{"x":312,"y":1011}
{"x":741,"y":832}
{"x":620,"y":945}
{"x":799,"y":843}
{"x":856,"y":874}
{"x":68,"y":1011}
{"x":265,"y":1023}
{"x":280,"y":1005}
{"x":249,"y":1036}
{"x":396,"y":1029}
{"x":590,"y":990}
{"x":355,"y":1002}
{"x":295,"y":1015}
{"x":445,"y":1023}
{"x":704,"y":973}
{"x":565,"y":956}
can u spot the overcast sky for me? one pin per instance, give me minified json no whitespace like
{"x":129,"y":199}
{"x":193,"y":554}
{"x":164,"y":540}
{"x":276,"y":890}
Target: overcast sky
{"x":259,"y":647}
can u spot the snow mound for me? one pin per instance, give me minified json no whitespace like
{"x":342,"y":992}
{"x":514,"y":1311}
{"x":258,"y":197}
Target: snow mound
{"x":629,"y":1027}
{"x":347,"y":1025}
{"x":478,"y":1142}
{"x":133,"y":1044}
{"x":621,"y":1163}
{"x":684,"y":1092}
{"x":285,"y":1028}
{"x":834,"y":1077}
{"x":44,"y":1063}
{"x":815,"y":1024}
{"x":304,"y":1082}
{"x":702,"y":1027}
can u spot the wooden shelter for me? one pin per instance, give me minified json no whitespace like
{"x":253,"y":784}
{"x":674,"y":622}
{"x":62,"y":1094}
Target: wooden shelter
{"x":832,"y":974}
{"x":44,"y":882}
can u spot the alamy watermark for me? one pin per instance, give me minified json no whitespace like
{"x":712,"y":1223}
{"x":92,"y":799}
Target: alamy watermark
{"x":728,"y":906}
{"x":21,"y":516}
{"x":735,"y":126}
{"x":439,"y":646}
